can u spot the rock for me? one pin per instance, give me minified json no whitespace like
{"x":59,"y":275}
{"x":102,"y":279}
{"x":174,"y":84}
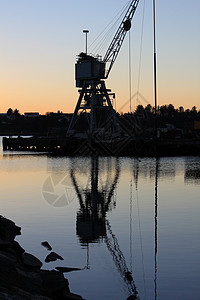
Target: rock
{"x":7,"y":262}
{"x":31,"y":261}
{"x":8,"y":272}
{"x":15,"y":293}
{"x":46,"y":245}
{"x":20,"y":274}
{"x":71,"y":296}
{"x":54,"y":282}
{"x":53,"y":257}
{"x":17,"y":248}
{"x":66,"y":269}
{"x":8,"y":229}
{"x":29,"y":280}
{"x":6,"y":246}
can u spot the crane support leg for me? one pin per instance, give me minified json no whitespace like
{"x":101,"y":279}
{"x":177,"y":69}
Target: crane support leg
{"x":73,"y":120}
{"x":94,"y":101}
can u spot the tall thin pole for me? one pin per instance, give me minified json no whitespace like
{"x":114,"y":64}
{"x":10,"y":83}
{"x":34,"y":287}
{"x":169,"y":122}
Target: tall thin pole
{"x":86,"y":32}
{"x":156,"y":175}
{"x":155,"y":63}
{"x":130,"y":79}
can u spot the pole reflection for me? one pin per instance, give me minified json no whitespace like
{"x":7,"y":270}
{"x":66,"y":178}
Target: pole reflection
{"x":156,"y":225}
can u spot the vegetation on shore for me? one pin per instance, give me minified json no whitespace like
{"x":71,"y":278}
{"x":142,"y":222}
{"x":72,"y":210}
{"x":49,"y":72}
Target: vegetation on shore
{"x":14,"y":123}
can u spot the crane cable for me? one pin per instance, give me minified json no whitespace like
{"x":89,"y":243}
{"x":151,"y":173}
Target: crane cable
{"x":108,"y":30}
{"x":141,"y":47}
{"x":137,"y":94}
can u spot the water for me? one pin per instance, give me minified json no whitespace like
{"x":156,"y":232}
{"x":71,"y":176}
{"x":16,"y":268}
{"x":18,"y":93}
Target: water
{"x":146,"y":220}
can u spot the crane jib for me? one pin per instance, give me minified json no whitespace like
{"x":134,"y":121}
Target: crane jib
{"x":118,"y":39}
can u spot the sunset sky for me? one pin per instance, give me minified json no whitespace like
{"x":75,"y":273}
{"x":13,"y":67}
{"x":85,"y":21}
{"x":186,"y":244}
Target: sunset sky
{"x":40,"y":39}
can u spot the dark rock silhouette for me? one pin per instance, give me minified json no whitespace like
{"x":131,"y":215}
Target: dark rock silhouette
{"x":53,"y":256}
{"x":46,"y":245}
{"x":21,"y":276}
{"x":31,"y":261}
{"x":8,"y":230}
{"x":67,"y":269}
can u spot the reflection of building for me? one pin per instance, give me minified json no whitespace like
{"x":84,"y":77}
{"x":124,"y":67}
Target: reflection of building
{"x":192,"y":171}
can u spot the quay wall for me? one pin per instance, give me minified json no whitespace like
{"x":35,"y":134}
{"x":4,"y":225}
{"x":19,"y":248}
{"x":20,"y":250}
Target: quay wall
{"x":117,"y":147}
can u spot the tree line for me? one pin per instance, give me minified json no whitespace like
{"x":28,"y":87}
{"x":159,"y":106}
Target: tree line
{"x":15,"y":123}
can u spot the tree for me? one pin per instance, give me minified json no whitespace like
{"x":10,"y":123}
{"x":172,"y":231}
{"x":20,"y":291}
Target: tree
{"x":163,"y":110}
{"x":194,"y":109}
{"x":149,"y":107}
{"x":9,"y":112}
{"x":16,"y":112}
{"x":181,"y":109}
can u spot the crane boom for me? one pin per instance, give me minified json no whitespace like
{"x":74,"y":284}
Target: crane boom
{"x":118,"y":39}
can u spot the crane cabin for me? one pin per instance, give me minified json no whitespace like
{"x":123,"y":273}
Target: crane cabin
{"x":88,"y":68}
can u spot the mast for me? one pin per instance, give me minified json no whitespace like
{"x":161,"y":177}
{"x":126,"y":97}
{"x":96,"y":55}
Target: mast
{"x":155,"y":64}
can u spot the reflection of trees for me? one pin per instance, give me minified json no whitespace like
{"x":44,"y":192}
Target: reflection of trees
{"x":146,"y":168}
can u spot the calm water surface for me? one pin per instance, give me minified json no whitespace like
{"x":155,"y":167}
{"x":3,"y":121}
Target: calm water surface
{"x":107,"y":217}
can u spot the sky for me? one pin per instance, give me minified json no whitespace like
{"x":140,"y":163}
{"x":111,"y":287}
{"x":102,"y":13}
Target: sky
{"x":40,"y":41}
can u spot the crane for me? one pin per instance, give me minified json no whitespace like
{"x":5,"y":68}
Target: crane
{"x":95,"y":100}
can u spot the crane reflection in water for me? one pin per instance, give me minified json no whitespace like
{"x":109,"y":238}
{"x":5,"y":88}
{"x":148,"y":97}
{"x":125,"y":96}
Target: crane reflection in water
{"x":95,"y":192}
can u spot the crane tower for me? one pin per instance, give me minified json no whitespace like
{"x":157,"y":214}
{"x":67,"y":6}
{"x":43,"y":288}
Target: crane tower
{"x":95,"y":102}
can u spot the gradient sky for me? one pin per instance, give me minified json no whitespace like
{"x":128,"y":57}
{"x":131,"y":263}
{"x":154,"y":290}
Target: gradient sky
{"x":41,"y":38}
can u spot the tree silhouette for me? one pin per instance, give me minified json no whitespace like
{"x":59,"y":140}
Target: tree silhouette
{"x":9,"y":112}
{"x":16,"y":113}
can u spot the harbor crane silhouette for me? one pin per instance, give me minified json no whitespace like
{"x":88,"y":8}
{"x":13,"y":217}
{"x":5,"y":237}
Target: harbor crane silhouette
{"x":95,"y":100}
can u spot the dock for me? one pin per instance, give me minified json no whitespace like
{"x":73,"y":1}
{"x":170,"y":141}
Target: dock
{"x":117,"y":147}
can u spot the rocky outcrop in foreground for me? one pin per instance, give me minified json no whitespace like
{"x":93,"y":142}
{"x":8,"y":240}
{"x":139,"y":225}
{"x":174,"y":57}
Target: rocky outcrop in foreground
{"x":21,"y":276}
